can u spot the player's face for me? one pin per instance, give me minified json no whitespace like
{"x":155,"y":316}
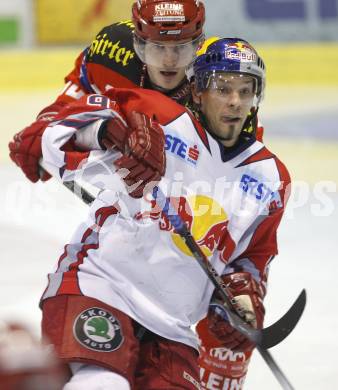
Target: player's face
{"x":166,"y":61}
{"x":226,"y":103}
{"x":166,"y":77}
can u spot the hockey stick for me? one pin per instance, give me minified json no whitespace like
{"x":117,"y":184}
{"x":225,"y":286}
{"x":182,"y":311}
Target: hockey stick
{"x":263,"y":338}
{"x":75,"y":187}
{"x":81,"y":192}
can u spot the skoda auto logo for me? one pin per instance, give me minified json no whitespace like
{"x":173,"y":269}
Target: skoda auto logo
{"x":98,"y":330}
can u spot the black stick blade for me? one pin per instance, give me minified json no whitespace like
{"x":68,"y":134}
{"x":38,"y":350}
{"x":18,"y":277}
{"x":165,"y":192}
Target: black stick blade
{"x":277,"y":332}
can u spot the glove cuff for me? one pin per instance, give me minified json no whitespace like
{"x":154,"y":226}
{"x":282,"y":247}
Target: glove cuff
{"x":88,"y":137}
{"x":101,"y":134}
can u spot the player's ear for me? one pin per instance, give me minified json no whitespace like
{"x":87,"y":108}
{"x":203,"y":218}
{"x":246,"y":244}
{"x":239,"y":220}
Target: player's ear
{"x":196,"y":96}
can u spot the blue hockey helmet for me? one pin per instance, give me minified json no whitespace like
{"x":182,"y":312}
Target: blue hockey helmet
{"x":229,"y":55}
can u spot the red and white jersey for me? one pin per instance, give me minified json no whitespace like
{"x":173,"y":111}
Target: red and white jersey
{"x":127,"y":253}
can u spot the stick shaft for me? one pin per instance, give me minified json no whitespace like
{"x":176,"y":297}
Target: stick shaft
{"x":215,"y":278}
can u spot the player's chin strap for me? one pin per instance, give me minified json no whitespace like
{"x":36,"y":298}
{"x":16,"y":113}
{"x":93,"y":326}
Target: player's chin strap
{"x":251,"y":122}
{"x":263,"y":338}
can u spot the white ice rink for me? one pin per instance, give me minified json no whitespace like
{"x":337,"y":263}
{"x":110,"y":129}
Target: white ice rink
{"x":37,"y":220}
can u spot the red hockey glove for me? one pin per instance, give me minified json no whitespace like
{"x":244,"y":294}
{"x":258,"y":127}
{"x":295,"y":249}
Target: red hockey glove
{"x":249,"y":304}
{"x":25,"y":150}
{"x":142,"y":145}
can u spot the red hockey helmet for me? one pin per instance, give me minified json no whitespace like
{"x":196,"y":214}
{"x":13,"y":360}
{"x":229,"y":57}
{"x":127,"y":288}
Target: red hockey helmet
{"x":160,"y":20}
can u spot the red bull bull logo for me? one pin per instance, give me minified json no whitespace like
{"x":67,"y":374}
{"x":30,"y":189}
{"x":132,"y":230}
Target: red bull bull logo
{"x":204,"y":217}
{"x":241,"y":52}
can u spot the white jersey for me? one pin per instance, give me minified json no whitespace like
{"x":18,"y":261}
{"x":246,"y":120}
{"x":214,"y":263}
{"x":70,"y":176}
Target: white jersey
{"x":127,"y":254}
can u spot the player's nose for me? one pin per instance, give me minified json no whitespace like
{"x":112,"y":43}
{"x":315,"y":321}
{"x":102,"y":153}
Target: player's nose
{"x":170,"y":57}
{"x":234,"y":100}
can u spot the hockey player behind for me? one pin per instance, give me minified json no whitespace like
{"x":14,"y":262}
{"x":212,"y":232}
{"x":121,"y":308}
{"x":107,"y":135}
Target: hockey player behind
{"x":25,"y":363}
{"x":150,"y":51}
{"x":126,"y":290}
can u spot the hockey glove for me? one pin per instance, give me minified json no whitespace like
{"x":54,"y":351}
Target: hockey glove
{"x":25,"y":148}
{"x":142,"y":146}
{"x":247,"y":298}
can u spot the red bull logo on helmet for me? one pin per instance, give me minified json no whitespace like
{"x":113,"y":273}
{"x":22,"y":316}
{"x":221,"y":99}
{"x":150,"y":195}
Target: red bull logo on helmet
{"x":206,"y":220}
{"x":241,"y":52}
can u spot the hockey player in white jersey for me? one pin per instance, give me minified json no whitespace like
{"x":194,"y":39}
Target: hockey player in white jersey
{"x":225,"y":353}
{"x":126,"y":291}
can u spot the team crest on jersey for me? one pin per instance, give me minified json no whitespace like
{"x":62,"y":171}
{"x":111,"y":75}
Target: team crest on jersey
{"x":98,"y":330}
{"x":204,"y":217}
{"x":182,"y":149}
